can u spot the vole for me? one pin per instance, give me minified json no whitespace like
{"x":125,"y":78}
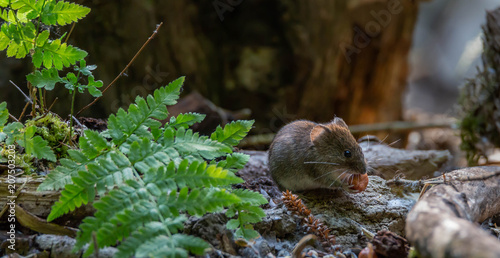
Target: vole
{"x":305,"y":155}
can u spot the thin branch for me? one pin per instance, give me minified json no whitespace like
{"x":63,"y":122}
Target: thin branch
{"x":19,"y":89}
{"x":24,"y":110}
{"x":13,"y":118}
{"x":124,"y":69}
{"x":53,"y":102}
{"x":78,"y":122}
{"x":70,"y":31}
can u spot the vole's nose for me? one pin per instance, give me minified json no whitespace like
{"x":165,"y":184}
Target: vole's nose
{"x":361,"y":168}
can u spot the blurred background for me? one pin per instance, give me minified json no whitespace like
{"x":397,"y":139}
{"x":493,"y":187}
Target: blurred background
{"x":367,"y":61}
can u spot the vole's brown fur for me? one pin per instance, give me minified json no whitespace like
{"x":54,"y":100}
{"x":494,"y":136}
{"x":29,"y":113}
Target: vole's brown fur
{"x":299,"y":154}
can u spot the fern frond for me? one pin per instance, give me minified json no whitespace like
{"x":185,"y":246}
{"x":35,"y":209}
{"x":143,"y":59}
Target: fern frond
{"x":119,"y":213}
{"x":250,"y":197}
{"x":61,"y":175}
{"x":60,"y":55}
{"x":143,"y":113}
{"x":149,"y":231}
{"x":233,"y":162}
{"x":108,"y":171}
{"x":232,"y":133}
{"x":146,"y":155}
{"x":62,"y":13}
{"x":248,"y":212}
{"x":186,"y":120}
{"x":93,"y":144}
{"x":194,"y":175}
{"x":173,"y":246}
{"x":131,"y":206}
{"x":36,"y":145}
{"x":17,"y":39}
{"x":196,"y":202}
{"x":189,"y":143}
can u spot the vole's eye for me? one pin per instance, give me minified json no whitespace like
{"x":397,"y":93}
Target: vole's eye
{"x":347,"y":154}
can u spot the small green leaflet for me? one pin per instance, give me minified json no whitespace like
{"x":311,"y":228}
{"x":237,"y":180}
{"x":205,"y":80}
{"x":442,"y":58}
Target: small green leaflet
{"x":47,"y":78}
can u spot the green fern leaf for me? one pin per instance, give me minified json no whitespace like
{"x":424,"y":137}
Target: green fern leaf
{"x":234,"y":162}
{"x":250,"y":197}
{"x":18,"y":39}
{"x":60,"y":55}
{"x":197,"y":174}
{"x":143,"y":113}
{"x":72,"y":196}
{"x":197,"y":202}
{"x":232,"y":133}
{"x":36,"y":145}
{"x":233,"y":224}
{"x":60,"y":176}
{"x":247,"y":233}
{"x":110,"y":170}
{"x":186,"y":120}
{"x":189,"y":143}
{"x":161,"y":246}
{"x":4,"y":3}
{"x":41,"y":150}
{"x":62,"y":13}
{"x":149,"y":231}
{"x":251,"y":214}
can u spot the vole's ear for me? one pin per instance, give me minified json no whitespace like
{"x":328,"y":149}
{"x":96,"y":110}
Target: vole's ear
{"x":317,"y":131}
{"x":338,"y":121}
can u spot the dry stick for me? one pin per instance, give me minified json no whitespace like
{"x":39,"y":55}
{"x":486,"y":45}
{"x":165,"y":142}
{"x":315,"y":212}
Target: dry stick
{"x":124,"y":69}
{"x":24,"y":110}
{"x":53,"y":102}
{"x":22,"y":92}
{"x":70,"y":31}
{"x":263,"y":139}
{"x":13,"y":117}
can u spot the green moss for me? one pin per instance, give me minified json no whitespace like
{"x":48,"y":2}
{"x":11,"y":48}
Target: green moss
{"x":55,"y":131}
{"x":23,"y":161}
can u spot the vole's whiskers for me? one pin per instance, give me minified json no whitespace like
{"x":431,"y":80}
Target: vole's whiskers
{"x":336,"y":179}
{"x":394,"y":142}
{"x":323,"y":175}
{"x":385,"y":138}
{"x":319,"y":162}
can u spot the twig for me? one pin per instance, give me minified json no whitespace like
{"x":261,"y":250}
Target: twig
{"x":124,"y":69}
{"x":13,"y":118}
{"x":24,"y":110}
{"x":53,"y":102}
{"x":70,"y":31}
{"x":28,"y":98}
{"x":77,"y":122}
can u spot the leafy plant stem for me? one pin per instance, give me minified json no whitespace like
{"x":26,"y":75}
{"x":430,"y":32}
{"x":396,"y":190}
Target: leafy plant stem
{"x":41,"y":98}
{"x":124,"y":69}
